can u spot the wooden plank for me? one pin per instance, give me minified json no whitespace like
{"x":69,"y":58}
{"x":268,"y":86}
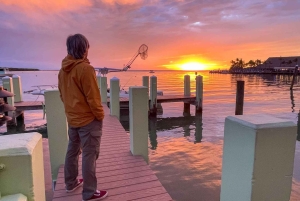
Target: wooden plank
{"x":37,"y":105}
{"x":112,"y":185}
{"x":120,"y":166}
{"x":110,"y":173}
{"x":116,"y":191}
{"x":111,"y":178}
{"x":164,"y":196}
{"x":142,"y":195}
{"x":165,"y":98}
{"x":28,"y":105}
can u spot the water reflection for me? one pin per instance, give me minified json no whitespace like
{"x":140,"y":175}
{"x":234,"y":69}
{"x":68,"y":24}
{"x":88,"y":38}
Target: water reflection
{"x":152,"y":132}
{"x":188,"y":125}
{"x":292,"y":100}
{"x":199,"y":128}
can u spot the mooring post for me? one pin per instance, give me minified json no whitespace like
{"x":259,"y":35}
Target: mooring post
{"x":102,"y":83}
{"x":115,"y":97}
{"x":22,"y":167}
{"x":153,"y":95}
{"x":138,"y":114}
{"x":17,"y":84}
{"x":239,"y":105}
{"x":57,"y":129}
{"x":146,"y":83}
{"x":187,"y":92}
{"x":294,"y":77}
{"x":8,"y":86}
{"x":258,"y":158}
{"x":199,"y":94}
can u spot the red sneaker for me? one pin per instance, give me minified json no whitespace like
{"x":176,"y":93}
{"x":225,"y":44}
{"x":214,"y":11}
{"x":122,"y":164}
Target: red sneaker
{"x":79,"y":183}
{"x":98,"y":195}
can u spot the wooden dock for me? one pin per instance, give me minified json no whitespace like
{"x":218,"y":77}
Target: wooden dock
{"x":124,"y":102}
{"x":29,"y":105}
{"x":126,"y":177}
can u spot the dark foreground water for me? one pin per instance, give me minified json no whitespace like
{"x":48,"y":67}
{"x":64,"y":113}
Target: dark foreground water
{"x":186,"y":151}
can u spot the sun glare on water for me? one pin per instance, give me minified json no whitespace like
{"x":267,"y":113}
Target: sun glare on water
{"x":192,"y":66}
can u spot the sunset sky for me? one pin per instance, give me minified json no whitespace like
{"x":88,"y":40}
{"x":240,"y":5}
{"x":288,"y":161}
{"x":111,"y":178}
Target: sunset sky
{"x":180,"y":34}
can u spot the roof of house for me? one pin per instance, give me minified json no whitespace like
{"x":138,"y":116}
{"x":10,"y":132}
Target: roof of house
{"x":272,"y":62}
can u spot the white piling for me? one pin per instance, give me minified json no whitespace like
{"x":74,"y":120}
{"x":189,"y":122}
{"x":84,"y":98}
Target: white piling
{"x":199,"y":94}
{"x":138,"y":114}
{"x":21,"y":155}
{"x":187,"y":85}
{"x":15,"y":197}
{"x":102,"y":83}
{"x":8,"y":85}
{"x":258,"y":158}
{"x":153,"y":95}
{"x":115,"y":97}
{"x":17,"y":84}
{"x":146,"y":82}
{"x":57,"y":130}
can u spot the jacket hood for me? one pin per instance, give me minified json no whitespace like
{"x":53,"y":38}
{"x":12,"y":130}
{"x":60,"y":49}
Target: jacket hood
{"x":69,"y":62}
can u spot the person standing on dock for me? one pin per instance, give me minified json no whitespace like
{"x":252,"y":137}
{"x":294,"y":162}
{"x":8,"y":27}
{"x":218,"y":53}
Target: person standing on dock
{"x":81,"y":97}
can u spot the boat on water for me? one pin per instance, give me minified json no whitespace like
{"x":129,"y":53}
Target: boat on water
{"x":151,"y":71}
{"x":5,"y":72}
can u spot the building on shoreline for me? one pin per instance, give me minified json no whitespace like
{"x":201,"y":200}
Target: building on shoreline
{"x":280,"y":63}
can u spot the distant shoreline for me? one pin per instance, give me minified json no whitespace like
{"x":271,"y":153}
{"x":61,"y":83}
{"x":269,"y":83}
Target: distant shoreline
{"x":22,"y":69}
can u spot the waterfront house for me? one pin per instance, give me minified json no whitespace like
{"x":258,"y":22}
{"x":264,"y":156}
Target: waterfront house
{"x":280,"y":63}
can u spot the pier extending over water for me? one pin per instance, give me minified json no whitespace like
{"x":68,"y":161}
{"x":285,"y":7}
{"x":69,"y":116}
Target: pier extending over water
{"x":126,"y":177}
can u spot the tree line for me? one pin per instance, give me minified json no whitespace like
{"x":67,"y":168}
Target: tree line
{"x":240,"y":63}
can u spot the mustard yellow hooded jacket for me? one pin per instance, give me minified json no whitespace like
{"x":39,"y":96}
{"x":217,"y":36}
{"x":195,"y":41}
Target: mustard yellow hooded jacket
{"x":79,"y":92}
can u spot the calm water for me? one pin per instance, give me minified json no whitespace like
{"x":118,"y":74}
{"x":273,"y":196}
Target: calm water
{"x":189,"y":170}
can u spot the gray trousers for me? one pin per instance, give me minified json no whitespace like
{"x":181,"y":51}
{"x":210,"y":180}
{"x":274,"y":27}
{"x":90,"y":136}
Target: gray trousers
{"x":88,"y":139}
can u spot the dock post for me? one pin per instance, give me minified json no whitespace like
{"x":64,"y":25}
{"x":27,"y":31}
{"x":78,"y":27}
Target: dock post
{"x":138,"y":114}
{"x":153,"y":95}
{"x":115,"y":97}
{"x":294,"y":77}
{"x":199,"y":94}
{"x":102,"y":83}
{"x":8,"y":86}
{"x":22,"y":167}
{"x":17,"y":84}
{"x":57,"y":129}
{"x":187,"y":92}
{"x":146,"y":83}
{"x":239,"y":105}
{"x":258,"y":158}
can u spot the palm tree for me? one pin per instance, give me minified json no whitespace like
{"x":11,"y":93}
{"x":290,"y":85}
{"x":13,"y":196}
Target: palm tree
{"x":258,"y":62}
{"x":241,"y":63}
{"x":251,"y":63}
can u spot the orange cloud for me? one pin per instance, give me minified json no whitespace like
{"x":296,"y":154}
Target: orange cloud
{"x":122,"y":2}
{"x":28,"y":6}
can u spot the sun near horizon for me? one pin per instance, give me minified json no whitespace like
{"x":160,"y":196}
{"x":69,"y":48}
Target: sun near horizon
{"x":191,"y":64}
